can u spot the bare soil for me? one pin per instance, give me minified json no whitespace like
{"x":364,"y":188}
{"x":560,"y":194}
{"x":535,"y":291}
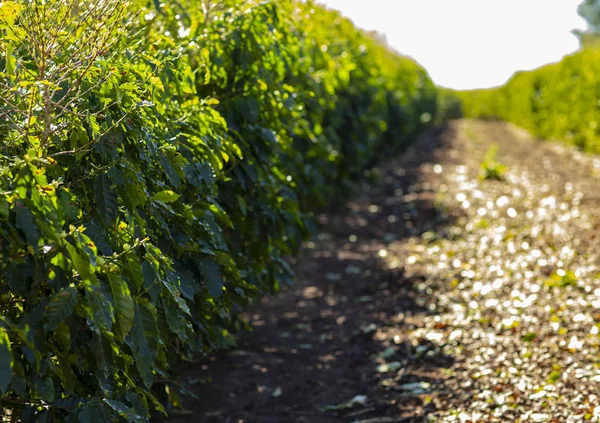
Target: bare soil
{"x":433,"y":295}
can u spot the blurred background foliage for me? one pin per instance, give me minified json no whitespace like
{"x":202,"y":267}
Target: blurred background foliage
{"x":558,"y":101}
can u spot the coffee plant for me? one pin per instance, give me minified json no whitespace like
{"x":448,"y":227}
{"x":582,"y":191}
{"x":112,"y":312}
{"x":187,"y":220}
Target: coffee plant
{"x":557,"y":101}
{"x":160,"y":160}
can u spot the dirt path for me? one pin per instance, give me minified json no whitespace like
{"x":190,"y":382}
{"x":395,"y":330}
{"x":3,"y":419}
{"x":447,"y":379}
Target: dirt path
{"x":434,"y":296}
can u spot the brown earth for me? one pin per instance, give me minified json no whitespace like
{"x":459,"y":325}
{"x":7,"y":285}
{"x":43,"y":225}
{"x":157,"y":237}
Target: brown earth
{"x":434,"y":295}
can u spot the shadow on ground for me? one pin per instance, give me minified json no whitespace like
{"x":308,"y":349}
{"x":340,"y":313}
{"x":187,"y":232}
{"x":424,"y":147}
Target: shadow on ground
{"x":340,"y":333}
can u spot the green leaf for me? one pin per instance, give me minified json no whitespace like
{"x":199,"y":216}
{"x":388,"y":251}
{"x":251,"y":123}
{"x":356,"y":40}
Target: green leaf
{"x":124,"y":307}
{"x":4,"y":206}
{"x":124,"y":411}
{"x":169,"y":170}
{"x":26,"y":223}
{"x":157,"y":405}
{"x":106,"y":199}
{"x":529,"y":336}
{"x":69,"y":376}
{"x":11,"y":61}
{"x":81,"y":263}
{"x":184,"y":281}
{"x":198,"y":173}
{"x":63,"y":334}
{"x":176,"y":296}
{"x":212,"y":276}
{"x":6,"y":361}
{"x":174,"y":319}
{"x":96,"y":412}
{"x":103,"y":351}
{"x":60,"y":93}
{"x":138,"y":402}
{"x":45,"y":389}
{"x":97,"y":312}
{"x":99,"y":237}
{"x":145,"y":337}
{"x":60,"y":307}
{"x":554,"y":376}
{"x":134,"y":271}
{"x":151,"y":285}
{"x":91,"y":126}
{"x":166,"y":196}
{"x":128,"y":86}
{"x":209,"y":222}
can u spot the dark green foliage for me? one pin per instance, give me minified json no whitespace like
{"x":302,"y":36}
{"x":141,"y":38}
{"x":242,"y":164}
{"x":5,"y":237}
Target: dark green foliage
{"x":159,"y":163}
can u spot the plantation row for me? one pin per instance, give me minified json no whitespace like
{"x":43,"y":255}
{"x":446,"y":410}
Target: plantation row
{"x":557,"y":101}
{"x":159,"y":162}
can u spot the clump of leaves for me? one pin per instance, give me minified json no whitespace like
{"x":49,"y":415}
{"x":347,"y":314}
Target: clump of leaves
{"x":561,"y":279}
{"x":554,"y":376}
{"x":491,"y":169}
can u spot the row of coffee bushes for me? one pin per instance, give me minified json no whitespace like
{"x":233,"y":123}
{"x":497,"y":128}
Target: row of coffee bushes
{"x":558,"y":101}
{"x":159,"y":162}
{"x":449,"y":105}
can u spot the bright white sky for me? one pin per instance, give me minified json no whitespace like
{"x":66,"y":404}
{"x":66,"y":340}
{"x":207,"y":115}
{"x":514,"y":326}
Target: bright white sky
{"x":471,"y":43}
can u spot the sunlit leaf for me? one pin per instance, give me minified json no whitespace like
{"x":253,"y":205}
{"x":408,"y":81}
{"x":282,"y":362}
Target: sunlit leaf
{"x":6,"y":360}
{"x":60,"y":307}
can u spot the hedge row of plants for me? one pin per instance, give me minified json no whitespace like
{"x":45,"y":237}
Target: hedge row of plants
{"x":558,"y":101}
{"x":449,"y":105}
{"x":160,"y":160}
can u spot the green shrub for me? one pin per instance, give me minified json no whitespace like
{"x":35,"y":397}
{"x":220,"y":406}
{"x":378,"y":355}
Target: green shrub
{"x":159,"y":162}
{"x":491,"y":169}
{"x":557,"y":101}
